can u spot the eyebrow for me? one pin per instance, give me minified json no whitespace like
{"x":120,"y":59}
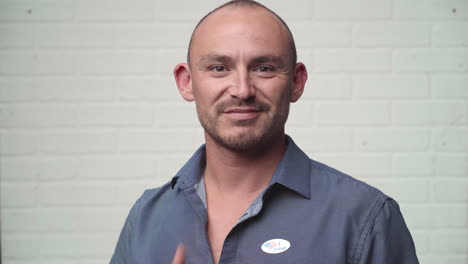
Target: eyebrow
{"x":279,"y":61}
{"x":211,"y":58}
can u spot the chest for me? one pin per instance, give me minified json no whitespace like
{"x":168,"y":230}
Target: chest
{"x":222,"y":218}
{"x":260,"y":237}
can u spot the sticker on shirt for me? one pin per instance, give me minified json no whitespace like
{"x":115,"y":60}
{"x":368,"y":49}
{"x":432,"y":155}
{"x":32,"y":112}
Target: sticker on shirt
{"x":275,"y":246}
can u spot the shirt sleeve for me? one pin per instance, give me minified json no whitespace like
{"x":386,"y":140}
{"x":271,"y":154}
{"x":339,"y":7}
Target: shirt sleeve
{"x":388,"y":241}
{"x":123,"y":252}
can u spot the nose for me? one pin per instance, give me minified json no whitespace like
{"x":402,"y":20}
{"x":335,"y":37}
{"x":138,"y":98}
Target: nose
{"x":243,"y":87}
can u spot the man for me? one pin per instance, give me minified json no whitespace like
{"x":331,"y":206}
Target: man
{"x":250,"y":195}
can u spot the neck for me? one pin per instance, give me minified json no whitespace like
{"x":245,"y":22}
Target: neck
{"x":242,"y":173}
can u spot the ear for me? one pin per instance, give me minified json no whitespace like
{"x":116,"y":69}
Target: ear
{"x":299,"y":80}
{"x":183,"y":79}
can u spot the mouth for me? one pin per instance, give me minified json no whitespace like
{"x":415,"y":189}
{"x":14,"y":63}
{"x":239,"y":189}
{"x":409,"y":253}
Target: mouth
{"x":242,"y":113}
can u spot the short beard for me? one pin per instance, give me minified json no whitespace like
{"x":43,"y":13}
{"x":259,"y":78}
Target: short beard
{"x":241,"y":143}
{"x":245,"y":141}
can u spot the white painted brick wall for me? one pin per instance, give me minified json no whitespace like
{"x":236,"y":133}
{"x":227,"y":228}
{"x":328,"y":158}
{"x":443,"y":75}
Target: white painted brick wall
{"x":90,"y":115}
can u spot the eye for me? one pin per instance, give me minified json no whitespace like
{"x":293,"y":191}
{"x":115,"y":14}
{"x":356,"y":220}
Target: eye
{"x":264,"y":69}
{"x":218,"y":68}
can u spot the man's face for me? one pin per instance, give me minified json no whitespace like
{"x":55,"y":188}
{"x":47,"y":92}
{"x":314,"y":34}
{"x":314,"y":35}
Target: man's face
{"x":241,"y":77}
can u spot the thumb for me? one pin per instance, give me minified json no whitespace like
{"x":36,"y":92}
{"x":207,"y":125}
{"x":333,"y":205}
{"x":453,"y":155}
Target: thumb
{"x":179,"y":256}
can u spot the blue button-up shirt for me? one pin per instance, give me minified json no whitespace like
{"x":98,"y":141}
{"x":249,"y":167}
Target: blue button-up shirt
{"x":309,"y":213}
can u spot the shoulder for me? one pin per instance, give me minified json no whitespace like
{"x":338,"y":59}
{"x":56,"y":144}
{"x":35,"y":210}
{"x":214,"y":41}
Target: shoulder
{"x":156,"y":197}
{"x":150,"y":206}
{"x":347,"y":196}
{"x":148,"y":200}
{"x":151,"y":194}
{"x":364,"y":209}
{"x":327,"y":179}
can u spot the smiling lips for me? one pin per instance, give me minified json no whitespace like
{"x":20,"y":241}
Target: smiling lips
{"x":242,"y":113}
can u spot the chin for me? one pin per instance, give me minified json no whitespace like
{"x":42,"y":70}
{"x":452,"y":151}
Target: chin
{"x":243,"y":135}
{"x":242,"y":141}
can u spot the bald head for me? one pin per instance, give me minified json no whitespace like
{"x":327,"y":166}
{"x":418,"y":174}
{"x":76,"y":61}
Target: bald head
{"x":246,"y":4}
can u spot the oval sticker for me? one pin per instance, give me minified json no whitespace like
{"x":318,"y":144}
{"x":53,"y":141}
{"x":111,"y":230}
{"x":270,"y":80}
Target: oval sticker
{"x":275,"y":246}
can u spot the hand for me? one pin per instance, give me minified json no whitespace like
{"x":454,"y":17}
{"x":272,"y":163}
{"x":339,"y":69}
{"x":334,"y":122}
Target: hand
{"x":179,"y":256}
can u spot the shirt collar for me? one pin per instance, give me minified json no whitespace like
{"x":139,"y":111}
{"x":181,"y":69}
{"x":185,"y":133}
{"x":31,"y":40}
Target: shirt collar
{"x":293,"y":171}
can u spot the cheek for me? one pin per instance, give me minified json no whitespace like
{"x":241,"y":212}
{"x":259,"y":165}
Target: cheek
{"x":208,"y":90}
{"x":277,"y":93}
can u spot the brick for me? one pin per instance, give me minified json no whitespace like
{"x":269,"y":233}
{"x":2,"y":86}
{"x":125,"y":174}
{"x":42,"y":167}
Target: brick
{"x":167,"y":59}
{"x":403,"y":190}
{"x":421,"y":242}
{"x":454,"y":191}
{"x":125,"y":62}
{"x":436,"y":216}
{"x":386,"y":34}
{"x":301,"y":115}
{"x":305,"y":55}
{"x":18,"y":169}
{"x":17,"y":195}
{"x":352,"y":61}
{"x":388,"y":87}
{"x":16,"y":36}
{"x":161,"y":141}
{"x":359,"y":9}
{"x":417,"y":216}
{"x":76,"y":194}
{"x":170,"y":165}
{"x":358,"y":165}
{"x":412,"y":164}
{"x":116,"y":115}
{"x":302,"y":9}
{"x":181,"y":114}
{"x":321,"y":35}
{"x":73,"y":36}
{"x":75,"y":89}
{"x":450,"y":34}
{"x":32,"y":168}
{"x":13,"y":143}
{"x":176,"y":35}
{"x":63,"y":220}
{"x":114,"y":10}
{"x":392,"y":139}
{"x":38,"y":116}
{"x":446,"y":259}
{"x":452,"y":241}
{"x":447,"y":165}
{"x":14,"y":90}
{"x":431,"y":60}
{"x":429,"y":113}
{"x":454,"y":87}
{"x":36,"y":10}
{"x":451,"y":216}
{"x":143,"y":89}
{"x":56,"y":168}
{"x":127,"y":194}
{"x":322,"y":139}
{"x":450,"y":139}
{"x":78,"y":142}
{"x":117,"y":168}
{"x":191,"y":11}
{"x":83,"y":246}
{"x":431,"y":9}
{"x":321,"y":87}
{"x":352,"y":114}
{"x":34,"y":63}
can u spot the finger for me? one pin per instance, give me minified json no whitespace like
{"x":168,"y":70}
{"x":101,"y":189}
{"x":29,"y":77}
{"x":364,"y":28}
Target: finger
{"x":179,"y":256}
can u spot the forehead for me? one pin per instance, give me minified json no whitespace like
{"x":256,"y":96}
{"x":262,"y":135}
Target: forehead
{"x":240,"y":30}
